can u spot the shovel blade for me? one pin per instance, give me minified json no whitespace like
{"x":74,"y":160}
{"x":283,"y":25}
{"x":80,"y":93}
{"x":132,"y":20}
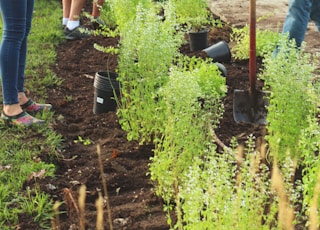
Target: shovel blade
{"x":248,"y":109}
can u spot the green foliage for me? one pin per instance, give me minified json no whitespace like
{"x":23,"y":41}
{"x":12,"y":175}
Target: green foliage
{"x":148,"y":48}
{"x":175,"y":101}
{"x":39,"y":206}
{"x":186,"y":134}
{"x":110,"y":50}
{"x":211,"y":190}
{"x":217,"y":195}
{"x":288,"y":77}
{"x":209,"y":77}
{"x":107,"y":15}
{"x":192,"y":13}
{"x":17,"y":164}
{"x":309,"y":147}
{"x":125,"y":11}
{"x":266,"y":42}
{"x":41,"y":43}
{"x":85,"y":142}
{"x":20,"y":148}
{"x":172,"y":158}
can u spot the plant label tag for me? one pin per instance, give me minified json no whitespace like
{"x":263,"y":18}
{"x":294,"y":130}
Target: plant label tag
{"x":100,"y":100}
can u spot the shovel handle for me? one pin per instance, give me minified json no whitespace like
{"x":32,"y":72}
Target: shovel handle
{"x":252,"y":51}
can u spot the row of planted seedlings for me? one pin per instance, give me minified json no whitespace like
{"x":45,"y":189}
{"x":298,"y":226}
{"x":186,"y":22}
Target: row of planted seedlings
{"x":175,"y":102}
{"x":290,"y":75}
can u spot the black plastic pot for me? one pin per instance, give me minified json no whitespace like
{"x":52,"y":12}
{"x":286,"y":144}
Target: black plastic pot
{"x":198,"y":40}
{"x":219,"y":52}
{"x":222,"y":69}
{"x":106,"y":90}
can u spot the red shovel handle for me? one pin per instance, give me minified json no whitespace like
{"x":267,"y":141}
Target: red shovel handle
{"x":252,"y":51}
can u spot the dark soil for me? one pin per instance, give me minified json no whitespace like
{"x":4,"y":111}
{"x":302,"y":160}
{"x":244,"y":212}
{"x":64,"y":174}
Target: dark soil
{"x":131,"y":195}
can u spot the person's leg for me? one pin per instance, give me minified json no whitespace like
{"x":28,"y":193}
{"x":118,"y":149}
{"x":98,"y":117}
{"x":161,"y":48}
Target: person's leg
{"x":74,"y":30}
{"x":23,"y":53}
{"x":96,"y":7}
{"x":14,"y":33}
{"x":27,"y":104}
{"x":75,"y":11}
{"x":16,"y":18}
{"x":297,"y":20}
{"x":66,"y":7}
{"x":315,"y":13}
{"x":96,"y":11}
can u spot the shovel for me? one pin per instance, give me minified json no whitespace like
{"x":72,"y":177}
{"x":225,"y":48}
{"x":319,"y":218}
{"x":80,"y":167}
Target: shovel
{"x":249,"y":106}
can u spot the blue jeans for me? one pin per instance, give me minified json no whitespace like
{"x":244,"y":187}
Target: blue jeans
{"x":16,"y":18}
{"x":299,"y":14}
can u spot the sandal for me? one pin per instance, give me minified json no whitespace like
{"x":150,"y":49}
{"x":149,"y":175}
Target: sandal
{"x":32,"y":107}
{"x":22,"y":119}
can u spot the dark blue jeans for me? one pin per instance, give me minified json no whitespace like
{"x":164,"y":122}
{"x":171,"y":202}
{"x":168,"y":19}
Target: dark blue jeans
{"x":16,"y":18}
{"x":299,"y":14}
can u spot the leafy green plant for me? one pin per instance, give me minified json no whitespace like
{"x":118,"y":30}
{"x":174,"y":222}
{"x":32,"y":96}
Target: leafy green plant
{"x":86,"y":141}
{"x":266,"y":41}
{"x":39,"y":206}
{"x":171,"y":157}
{"x":309,"y":147}
{"x":107,"y":15}
{"x":147,"y":49}
{"x":288,"y":77}
{"x":125,"y":11}
{"x":194,"y":14}
{"x":293,"y":130}
{"x":222,"y":190}
{"x":209,"y":77}
{"x":188,"y":121}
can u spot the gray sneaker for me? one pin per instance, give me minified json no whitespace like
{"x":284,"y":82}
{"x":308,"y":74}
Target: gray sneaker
{"x":77,"y":33}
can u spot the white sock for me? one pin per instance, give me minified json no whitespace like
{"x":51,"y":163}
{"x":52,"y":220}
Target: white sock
{"x":73,"y":24}
{"x":65,"y":21}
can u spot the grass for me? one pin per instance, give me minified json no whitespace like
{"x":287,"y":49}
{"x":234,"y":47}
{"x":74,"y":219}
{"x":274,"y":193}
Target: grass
{"x":20,"y":148}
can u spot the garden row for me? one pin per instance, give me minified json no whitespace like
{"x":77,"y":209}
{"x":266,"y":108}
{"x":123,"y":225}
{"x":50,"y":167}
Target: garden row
{"x":175,"y":103}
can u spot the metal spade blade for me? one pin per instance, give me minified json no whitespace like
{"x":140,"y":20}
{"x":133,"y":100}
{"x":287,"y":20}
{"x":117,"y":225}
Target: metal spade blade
{"x":250,"y":106}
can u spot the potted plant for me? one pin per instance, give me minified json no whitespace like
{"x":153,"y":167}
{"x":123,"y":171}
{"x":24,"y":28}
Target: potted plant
{"x":195,"y":16}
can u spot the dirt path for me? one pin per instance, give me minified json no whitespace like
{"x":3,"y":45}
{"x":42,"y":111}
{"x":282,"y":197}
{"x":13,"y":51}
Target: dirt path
{"x":236,"y":12}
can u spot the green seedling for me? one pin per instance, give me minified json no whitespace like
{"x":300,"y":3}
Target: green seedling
{"x":86,"y":141}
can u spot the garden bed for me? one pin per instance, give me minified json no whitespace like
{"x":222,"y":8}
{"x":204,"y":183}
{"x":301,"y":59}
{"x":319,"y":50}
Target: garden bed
{"x":131,"y":193}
